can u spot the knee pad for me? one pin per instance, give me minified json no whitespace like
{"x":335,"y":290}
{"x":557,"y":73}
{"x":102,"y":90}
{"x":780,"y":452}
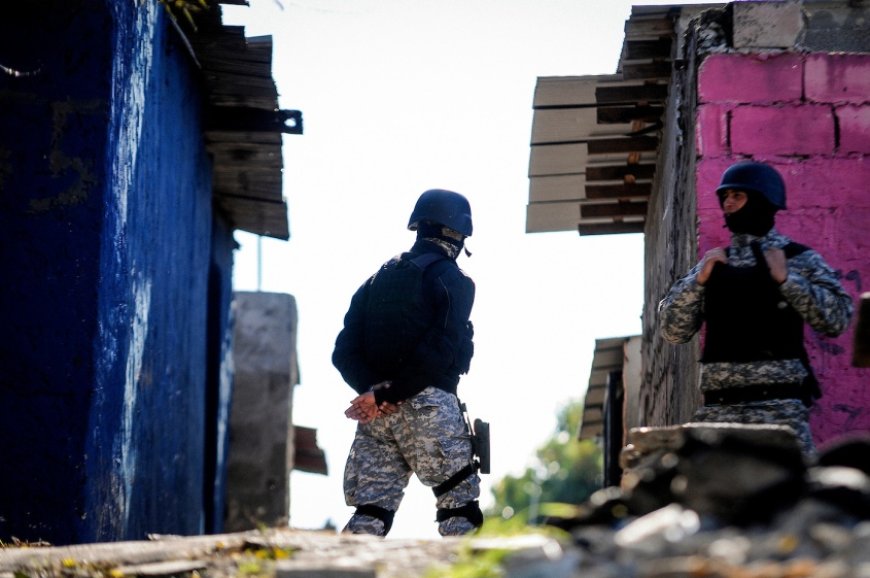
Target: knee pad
{"x":470,"y":511}
{"x":384,"y":515}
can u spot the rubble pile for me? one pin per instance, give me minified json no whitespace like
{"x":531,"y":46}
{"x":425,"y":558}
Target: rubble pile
{"x":728,"y":500}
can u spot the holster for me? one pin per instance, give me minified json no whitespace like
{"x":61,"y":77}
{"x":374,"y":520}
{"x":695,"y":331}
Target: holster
{"x":479,"y":440}
{"x":480,"y":443}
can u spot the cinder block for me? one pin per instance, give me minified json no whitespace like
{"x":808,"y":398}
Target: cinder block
{"x":854,"y":124}
{"x":751,"y":78}
{"x":766,"y":24}
{"x":811,"y":227}
{"x":782,"y":130}
{"x":842,"y":408}
{"x":707,"y":175}
{"x":711,"y":130}
{"x":827,"y":183}
{"x":838,"y":78}
{"x":853,"y":242}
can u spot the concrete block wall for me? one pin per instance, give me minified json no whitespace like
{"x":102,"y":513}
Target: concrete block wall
{"x":808,"y":114}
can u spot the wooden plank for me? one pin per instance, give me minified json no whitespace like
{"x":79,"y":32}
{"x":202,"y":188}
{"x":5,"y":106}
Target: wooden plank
{"x":238,"y":158}
{"x":626,"y":145}
{"x":619,"y":190}
{"x":646,"y":69}
{"x":609,"y":228}
{"x":567,"y":90}
{"x":558,"y":159}
{"x":570,"y":125}
{"x":592,"y":423}
{"x":620,"y":208}
{"x":595,"y":396}
{"x":551,"y":217}
{"x":236,"y":66}
{"x":250,"y":174}
{"x":240,"y":83}
{"x":214,"y":51}
{"x":308,"y":457}
{"x":573,"y":158}
{"x":630,"y":112}
{"x":557,"y":188}
{"x":598,"y":377}
{"x":259,"y":138}
{"x":229,"y":99}
{"x":648,"y":18}
{"x":267,"y":192}
{"x":167,"y":568}
{"x":631,"y":93}
{"x":622,"y":172}
{"x":255,"y":216}
{"x":639,"y":48}
{"x":242,"y":118}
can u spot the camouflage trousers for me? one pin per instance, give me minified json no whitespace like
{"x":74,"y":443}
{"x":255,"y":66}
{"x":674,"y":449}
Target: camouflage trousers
{"x":428,"y":437}
{"x":788,"y":412}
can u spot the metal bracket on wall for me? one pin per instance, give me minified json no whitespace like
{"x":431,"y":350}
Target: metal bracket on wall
{"x":247,"y":119}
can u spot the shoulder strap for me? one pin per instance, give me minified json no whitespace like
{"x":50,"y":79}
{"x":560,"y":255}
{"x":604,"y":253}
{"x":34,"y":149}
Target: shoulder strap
{"x":793,"y":249}
{"x":426,"y":259}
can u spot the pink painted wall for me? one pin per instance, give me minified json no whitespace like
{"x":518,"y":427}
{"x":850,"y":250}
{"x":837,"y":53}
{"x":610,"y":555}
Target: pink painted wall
{"x":809,"y":116}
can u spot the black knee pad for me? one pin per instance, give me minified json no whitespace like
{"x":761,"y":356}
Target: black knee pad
{"x":470,"y":511}
{"x":384,"y":515}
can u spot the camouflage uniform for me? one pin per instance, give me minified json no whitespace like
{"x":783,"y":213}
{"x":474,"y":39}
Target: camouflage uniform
{"x":428,"y":437}
{"x":811,"y":288}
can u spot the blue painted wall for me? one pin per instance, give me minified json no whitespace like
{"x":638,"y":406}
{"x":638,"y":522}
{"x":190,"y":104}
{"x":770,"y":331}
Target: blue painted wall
{"x":114,"y":371}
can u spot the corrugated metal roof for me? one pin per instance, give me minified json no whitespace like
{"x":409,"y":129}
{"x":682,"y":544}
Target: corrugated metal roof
{"x":609,"y":356}
{"x":595,"y":138}
{"x":242,"y":123}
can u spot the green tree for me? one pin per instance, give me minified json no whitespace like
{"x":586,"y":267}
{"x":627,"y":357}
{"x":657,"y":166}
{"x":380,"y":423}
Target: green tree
{"x":566,"y":471}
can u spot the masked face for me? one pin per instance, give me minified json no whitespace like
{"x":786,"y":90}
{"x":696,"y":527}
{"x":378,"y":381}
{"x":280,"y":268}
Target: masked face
{"x":732,"y":201}
{"x":747,"y":212}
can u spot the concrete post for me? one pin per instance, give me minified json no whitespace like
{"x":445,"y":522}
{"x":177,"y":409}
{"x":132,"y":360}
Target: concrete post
{"x":261,"y":431}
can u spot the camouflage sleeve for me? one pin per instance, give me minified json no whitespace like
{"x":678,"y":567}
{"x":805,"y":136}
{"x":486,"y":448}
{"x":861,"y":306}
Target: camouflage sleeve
{"x":681,"y":311}
{"x":813,"y":289}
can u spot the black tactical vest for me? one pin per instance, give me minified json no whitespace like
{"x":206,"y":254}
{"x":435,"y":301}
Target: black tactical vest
{"x":397,"y":314}
{"x":747,"y":317}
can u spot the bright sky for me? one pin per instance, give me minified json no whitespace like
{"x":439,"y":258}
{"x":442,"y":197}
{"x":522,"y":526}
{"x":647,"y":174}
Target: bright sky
{"x":399,"y":96}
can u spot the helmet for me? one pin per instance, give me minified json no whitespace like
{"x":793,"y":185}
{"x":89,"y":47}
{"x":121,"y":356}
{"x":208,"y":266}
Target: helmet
{"x":443,"y":207}
{"x":755,"y":177}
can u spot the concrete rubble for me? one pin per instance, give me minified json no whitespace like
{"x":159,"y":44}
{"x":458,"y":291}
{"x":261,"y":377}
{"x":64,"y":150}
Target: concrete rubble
{"x":699,"y":500}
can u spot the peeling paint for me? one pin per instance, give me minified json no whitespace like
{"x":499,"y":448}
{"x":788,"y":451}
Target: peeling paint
{"x":127,"y":450}
{"x":129,"y":104}
{"x":118,"y":285}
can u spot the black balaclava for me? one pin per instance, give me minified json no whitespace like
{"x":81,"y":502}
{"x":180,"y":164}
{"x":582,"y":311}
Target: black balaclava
{"x":756,"y":217}
{"x":435,"y":233}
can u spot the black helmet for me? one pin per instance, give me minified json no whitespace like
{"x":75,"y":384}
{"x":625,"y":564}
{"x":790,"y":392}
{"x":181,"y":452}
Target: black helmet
{"x":443,"y":207}
{"x":754,"y":177}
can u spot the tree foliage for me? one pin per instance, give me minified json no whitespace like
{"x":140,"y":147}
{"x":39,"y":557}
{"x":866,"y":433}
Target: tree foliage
{"x":186,"y":8}
{"x":565,"y":471}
